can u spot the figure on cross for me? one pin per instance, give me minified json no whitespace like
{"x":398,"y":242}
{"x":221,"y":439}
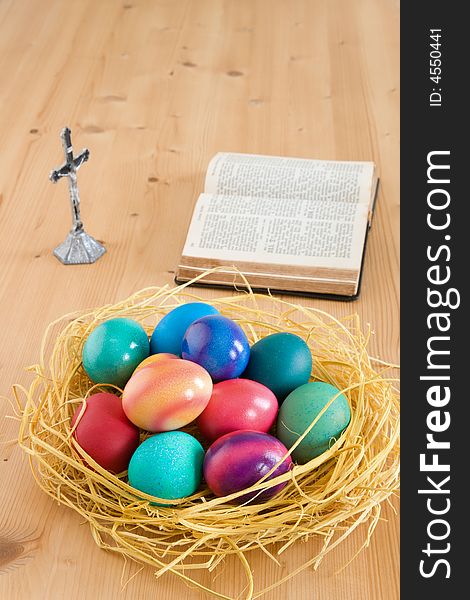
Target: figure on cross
{"x":79,"y":247}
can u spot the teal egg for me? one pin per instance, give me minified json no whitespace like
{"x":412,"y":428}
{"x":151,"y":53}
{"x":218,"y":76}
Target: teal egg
{"x":113,"y":350}
{"x":167,"y":465}
{"x":281,"y":362}
{"x":298,"y":411}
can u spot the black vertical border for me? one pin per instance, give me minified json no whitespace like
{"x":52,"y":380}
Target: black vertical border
{"x":424,"y":129}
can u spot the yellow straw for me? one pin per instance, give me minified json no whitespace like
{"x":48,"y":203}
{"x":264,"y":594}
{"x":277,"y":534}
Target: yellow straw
{"x":328,"y":497}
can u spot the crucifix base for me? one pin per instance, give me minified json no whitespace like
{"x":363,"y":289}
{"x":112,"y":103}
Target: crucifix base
{"x":79,"y":248}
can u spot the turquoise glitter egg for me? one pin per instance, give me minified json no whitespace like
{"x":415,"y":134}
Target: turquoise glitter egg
{"x":168,"y":334}
{"x":113,"y":350}
{"x":167,"y":465}
{"x":281,"y":362}
{"x":298,"y":411}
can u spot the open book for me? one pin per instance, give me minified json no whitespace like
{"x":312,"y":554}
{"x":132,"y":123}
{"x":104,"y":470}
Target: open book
{"x":289,"y":224}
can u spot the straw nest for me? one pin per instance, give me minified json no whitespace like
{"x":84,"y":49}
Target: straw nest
{"x":328,"y":497}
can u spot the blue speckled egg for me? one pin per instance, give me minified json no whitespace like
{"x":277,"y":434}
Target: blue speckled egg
{"x":281,"y":362}
{"x":167,"y":465}
{"x":298,"y":411}
{"x":219,"y":345}
{"x":113,"y":350}
{"x":168,"y":334}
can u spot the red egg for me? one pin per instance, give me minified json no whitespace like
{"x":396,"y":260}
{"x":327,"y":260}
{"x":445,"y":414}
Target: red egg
{"x":238,"y":404}
{"x":105,"y":433}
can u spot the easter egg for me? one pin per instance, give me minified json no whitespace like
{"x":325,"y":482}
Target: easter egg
{"x":281,"y":362}
{"x":113,"y":350}
{"x":166,"y":395}
{"x":105,"y":433}
{"x":219,"y":345}
{"x":298,"y":411}
{"x":168,"y":334}
{"x":167,"y":465}
{"x":238,"y":404}
{"x":239,"y":459}
{"x":153,"y":358}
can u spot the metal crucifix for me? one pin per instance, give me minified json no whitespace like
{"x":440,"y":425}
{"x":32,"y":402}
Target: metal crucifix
{"x":78,"y":247}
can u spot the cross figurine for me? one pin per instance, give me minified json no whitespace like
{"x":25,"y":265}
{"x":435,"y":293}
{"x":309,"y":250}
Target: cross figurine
{"x":79,"y":247}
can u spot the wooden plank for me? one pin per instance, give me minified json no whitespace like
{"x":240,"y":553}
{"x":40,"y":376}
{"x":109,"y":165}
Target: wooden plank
{"x":154,"y":89}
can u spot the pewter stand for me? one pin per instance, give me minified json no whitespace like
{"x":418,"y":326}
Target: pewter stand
{"x":79,"y":247}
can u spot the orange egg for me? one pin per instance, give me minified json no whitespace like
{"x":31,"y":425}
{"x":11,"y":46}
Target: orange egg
{"x":166,"y":394}
{"x":153,"y":358}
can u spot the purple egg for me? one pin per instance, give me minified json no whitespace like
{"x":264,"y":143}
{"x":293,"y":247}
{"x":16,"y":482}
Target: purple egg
{"x":219,"y":345}
{"x":239,"y":459}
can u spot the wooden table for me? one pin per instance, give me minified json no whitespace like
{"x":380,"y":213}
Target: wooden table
{"x":154,"y":88}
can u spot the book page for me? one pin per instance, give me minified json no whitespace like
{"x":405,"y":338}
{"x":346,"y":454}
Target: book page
{"x":234,"y":174}
{"x":280,"y":231}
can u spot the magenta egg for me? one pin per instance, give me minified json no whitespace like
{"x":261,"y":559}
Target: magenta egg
{"x":238,"y":404}
{"x":239,"y":459}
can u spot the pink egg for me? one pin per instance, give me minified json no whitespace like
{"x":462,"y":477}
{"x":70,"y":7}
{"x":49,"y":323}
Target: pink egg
{"x":105,"y":433}
{"x":238,"y":404}
{"x":166,"y":395}
{"x":153,"y":358}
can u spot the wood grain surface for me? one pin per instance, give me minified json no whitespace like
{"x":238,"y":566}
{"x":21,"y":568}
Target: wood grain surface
{"x":154,"y":88}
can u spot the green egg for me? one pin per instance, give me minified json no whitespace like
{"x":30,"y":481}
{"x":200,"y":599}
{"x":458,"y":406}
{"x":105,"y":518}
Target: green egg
{"x":298,"y":411}
{"x":281,"y":362}
{"x":113,"y":350}
{"x":167,"y":465}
